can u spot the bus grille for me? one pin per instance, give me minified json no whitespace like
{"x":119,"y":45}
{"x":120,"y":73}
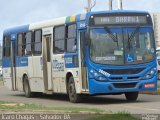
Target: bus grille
{"x":124,"y":78}
{"x":124,"y":85}
{"x":125,"y":71}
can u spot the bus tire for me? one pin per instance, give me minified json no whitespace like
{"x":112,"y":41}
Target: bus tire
{"x":131,"y":96}
{"x":73,"y":96}
{"x":27,"y":89}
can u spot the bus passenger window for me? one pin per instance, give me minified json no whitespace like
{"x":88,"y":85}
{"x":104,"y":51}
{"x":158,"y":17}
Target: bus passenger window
{"x":38,"y":42}
{"x":21,"y":45}
{"x":6,"y":51}
{"x":28,"y":50}
{"x":71,"y":39}
{"x":59,"y":38}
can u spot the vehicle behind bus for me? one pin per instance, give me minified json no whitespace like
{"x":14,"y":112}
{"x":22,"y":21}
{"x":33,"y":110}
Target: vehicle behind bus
{"x":158,"y":61}
{"x":110,"y":52}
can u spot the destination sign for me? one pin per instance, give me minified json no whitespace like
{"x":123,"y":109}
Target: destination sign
{"x":110,"y":20}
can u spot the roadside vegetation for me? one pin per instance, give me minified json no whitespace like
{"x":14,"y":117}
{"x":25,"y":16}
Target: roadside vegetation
{"x":117,"y":116}
{"x":99,"y":114}
{"x":20,"y":107}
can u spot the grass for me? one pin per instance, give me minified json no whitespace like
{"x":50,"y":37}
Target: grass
{"x":20,"y":107}
{"x":117,"y":116}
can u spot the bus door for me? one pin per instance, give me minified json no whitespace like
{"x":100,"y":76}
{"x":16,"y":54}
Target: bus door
{"x":13,"y":62}
{"x":83,"y":65}
{"x":46,"y":56}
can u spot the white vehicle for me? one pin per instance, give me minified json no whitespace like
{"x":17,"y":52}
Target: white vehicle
{"x":1,"y":73}
{"x":158,"y":61}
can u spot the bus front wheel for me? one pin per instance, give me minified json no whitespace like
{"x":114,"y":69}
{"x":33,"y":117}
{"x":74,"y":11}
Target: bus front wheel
{"x":73,"y":96}
{"x":131,"y":96}
{"x":27,"y":89}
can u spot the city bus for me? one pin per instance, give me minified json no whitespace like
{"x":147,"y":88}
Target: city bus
{"x":97,"y":53}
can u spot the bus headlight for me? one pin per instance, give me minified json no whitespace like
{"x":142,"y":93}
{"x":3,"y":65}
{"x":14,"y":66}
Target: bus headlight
{"x":101,"y":79}
{"x":97,"y":75}
{"x":94,"y":73}
{"x":150,"y":74}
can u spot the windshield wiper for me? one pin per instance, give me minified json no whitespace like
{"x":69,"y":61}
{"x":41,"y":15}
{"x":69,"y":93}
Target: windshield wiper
{"x":111,"y":34}
{"x":134,"y":33}
{"x":132,"y":36}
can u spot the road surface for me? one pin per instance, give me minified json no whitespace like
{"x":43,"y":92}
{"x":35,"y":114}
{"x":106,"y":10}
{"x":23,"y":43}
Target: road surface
{"x":146,"y":104}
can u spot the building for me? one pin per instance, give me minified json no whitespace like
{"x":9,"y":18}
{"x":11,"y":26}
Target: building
{"x":0,"y":53}
{"x":156,"y":21}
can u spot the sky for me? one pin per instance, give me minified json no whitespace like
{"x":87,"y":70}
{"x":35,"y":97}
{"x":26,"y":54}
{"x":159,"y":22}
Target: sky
{"x":20,"y":12}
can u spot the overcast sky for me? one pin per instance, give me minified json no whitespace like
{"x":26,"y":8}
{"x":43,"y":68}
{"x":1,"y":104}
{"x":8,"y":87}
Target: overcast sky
{"x":19,"y":12}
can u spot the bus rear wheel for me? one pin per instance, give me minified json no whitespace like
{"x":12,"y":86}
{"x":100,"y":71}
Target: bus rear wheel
{"x":27,"y":89}
{"x":131,"y":96}
{"x":73,"y":96}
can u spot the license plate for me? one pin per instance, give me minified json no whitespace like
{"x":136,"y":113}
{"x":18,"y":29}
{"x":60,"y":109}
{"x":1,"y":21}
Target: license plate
{"x":149,"y":85}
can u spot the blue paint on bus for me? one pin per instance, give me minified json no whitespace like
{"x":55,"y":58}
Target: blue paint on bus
{"x":6,"y":62}
{"x":12,"y":32}
{"x":22,"y":61}
{"x":16,"y":30}
{"x":118,"y":81}
{"x":71,"y":60}
{"x":113,"y":83}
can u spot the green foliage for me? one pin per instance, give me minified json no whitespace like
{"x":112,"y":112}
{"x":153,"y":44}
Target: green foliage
{"x":118,"y":116}
{"x":32,"y":107}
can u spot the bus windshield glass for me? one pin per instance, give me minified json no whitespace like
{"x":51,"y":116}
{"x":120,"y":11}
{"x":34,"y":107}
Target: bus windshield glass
{"x":122,"y":45}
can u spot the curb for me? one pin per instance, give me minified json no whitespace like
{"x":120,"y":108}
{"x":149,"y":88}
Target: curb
{"x":152,"y":92}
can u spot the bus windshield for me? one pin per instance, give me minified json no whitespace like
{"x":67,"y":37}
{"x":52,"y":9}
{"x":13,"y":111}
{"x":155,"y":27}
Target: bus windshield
{"x":119,"y":46}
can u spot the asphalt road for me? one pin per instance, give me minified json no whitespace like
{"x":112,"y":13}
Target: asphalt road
{"x":146,"y":104}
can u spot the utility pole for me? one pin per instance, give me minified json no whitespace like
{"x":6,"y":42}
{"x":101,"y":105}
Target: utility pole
{"x":88,"y":8}
{"x":120,"y":5}
{"x":110,"y":4}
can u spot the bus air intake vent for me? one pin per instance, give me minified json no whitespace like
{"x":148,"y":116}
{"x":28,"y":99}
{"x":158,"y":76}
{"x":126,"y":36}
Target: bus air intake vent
{"x":124,"y":85}
{"x":133,"y":78}
{"x":116,"y":78}
{"x":125,"y":71}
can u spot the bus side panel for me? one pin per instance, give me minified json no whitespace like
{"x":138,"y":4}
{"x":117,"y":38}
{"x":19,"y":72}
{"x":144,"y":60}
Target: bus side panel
{"x":76,"y":75}
{"x":73,"y":68}
{"x":7,"y":78}
{"x":21,"y":70}
{"x":7,"y":73}
{"x":58,"y":74}
{"x":35,"y":70}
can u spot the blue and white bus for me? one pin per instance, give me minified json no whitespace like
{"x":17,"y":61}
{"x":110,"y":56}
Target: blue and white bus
{"x":97,"y":53}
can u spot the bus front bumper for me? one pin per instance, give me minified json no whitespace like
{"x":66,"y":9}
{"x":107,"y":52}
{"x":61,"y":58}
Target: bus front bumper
{"x":98,"y":87}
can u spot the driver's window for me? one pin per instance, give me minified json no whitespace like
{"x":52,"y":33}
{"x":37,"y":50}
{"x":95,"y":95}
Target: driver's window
{"x":145,"y":41}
